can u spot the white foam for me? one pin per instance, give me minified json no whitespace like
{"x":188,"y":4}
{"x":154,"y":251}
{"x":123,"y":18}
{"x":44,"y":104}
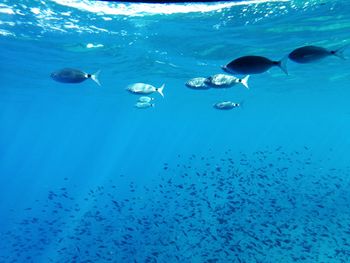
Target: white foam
{"x":35,"y":10}
{"x":6,"y":33}
{"x":6,"y":10}
{"x":140,"y":9}
{"x":90,"y":45}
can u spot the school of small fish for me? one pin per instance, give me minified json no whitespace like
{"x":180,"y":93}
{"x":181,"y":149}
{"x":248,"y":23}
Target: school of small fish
{"x":255,"y":65}
{"x":243,"y":65}
{"x":264,"y":206}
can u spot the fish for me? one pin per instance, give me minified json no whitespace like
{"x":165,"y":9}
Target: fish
{"x":309,"y":54}
{"x":225,"y":188}
{"x":253,"y":65}
{"x":145,"y":99}
{"x":197,"y":83}
{"x":144,"y":105}
{"x":226,"y":105}
{"x":143,"y":88}
{"x":226,"y":81}
{"x":69,"y":75}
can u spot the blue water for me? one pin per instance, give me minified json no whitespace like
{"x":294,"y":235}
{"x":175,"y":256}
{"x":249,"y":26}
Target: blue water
{"x":87,"y":177}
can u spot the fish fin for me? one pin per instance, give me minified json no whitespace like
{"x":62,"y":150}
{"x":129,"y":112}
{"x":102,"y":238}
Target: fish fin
{"x":94,"y":77}
{"x":244,"y":81}
{"x":340,"y":52}
{"x":153,"y":105}
{"x":160,"y":90}
{"x":227,"y":70}
{"x":283,"y":64}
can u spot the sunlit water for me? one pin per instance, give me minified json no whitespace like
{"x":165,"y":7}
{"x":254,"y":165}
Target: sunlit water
{"x":87,"y":177}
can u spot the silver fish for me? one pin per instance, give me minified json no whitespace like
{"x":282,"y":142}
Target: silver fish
{"x":143,"y":88}
{"x":197,"y":83}
{"x":144,"y":105}
{"x":226,"y":81}
{"x":145,"y":99}
{"x":226,"y":105}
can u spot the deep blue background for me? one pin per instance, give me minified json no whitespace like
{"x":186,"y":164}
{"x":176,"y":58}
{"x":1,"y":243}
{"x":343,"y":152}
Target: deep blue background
{"x":50,"y":131}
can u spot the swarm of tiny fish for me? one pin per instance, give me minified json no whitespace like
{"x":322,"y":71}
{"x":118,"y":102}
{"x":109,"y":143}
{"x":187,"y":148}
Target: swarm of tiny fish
{"x":265,"y":206}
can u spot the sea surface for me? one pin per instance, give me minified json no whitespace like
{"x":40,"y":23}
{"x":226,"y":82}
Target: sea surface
{"x":85,"y":176}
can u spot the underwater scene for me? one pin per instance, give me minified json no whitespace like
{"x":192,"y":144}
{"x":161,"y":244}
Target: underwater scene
{"x":203,"y":132}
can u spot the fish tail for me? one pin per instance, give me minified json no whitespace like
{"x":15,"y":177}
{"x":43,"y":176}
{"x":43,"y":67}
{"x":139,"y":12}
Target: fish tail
{"x":340,"y":52}
{"x":244,"y":81}
{"x":283,"y":64}
{"x":160,"y":90}
{"x":94,"y":77}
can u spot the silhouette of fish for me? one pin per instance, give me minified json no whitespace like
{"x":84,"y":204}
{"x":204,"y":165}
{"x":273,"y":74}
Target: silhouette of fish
{"x":253,"y":65}
{"x":69,"y":75}
{"x":309,"y":54}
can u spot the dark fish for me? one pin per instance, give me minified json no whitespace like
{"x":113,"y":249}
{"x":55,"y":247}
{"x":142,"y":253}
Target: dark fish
{"x":310,"y":54}
{"x":253,"y":65}
{"x":68,"y":75}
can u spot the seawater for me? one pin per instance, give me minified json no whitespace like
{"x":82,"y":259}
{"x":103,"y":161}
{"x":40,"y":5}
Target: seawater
{"x":87,"y":177}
